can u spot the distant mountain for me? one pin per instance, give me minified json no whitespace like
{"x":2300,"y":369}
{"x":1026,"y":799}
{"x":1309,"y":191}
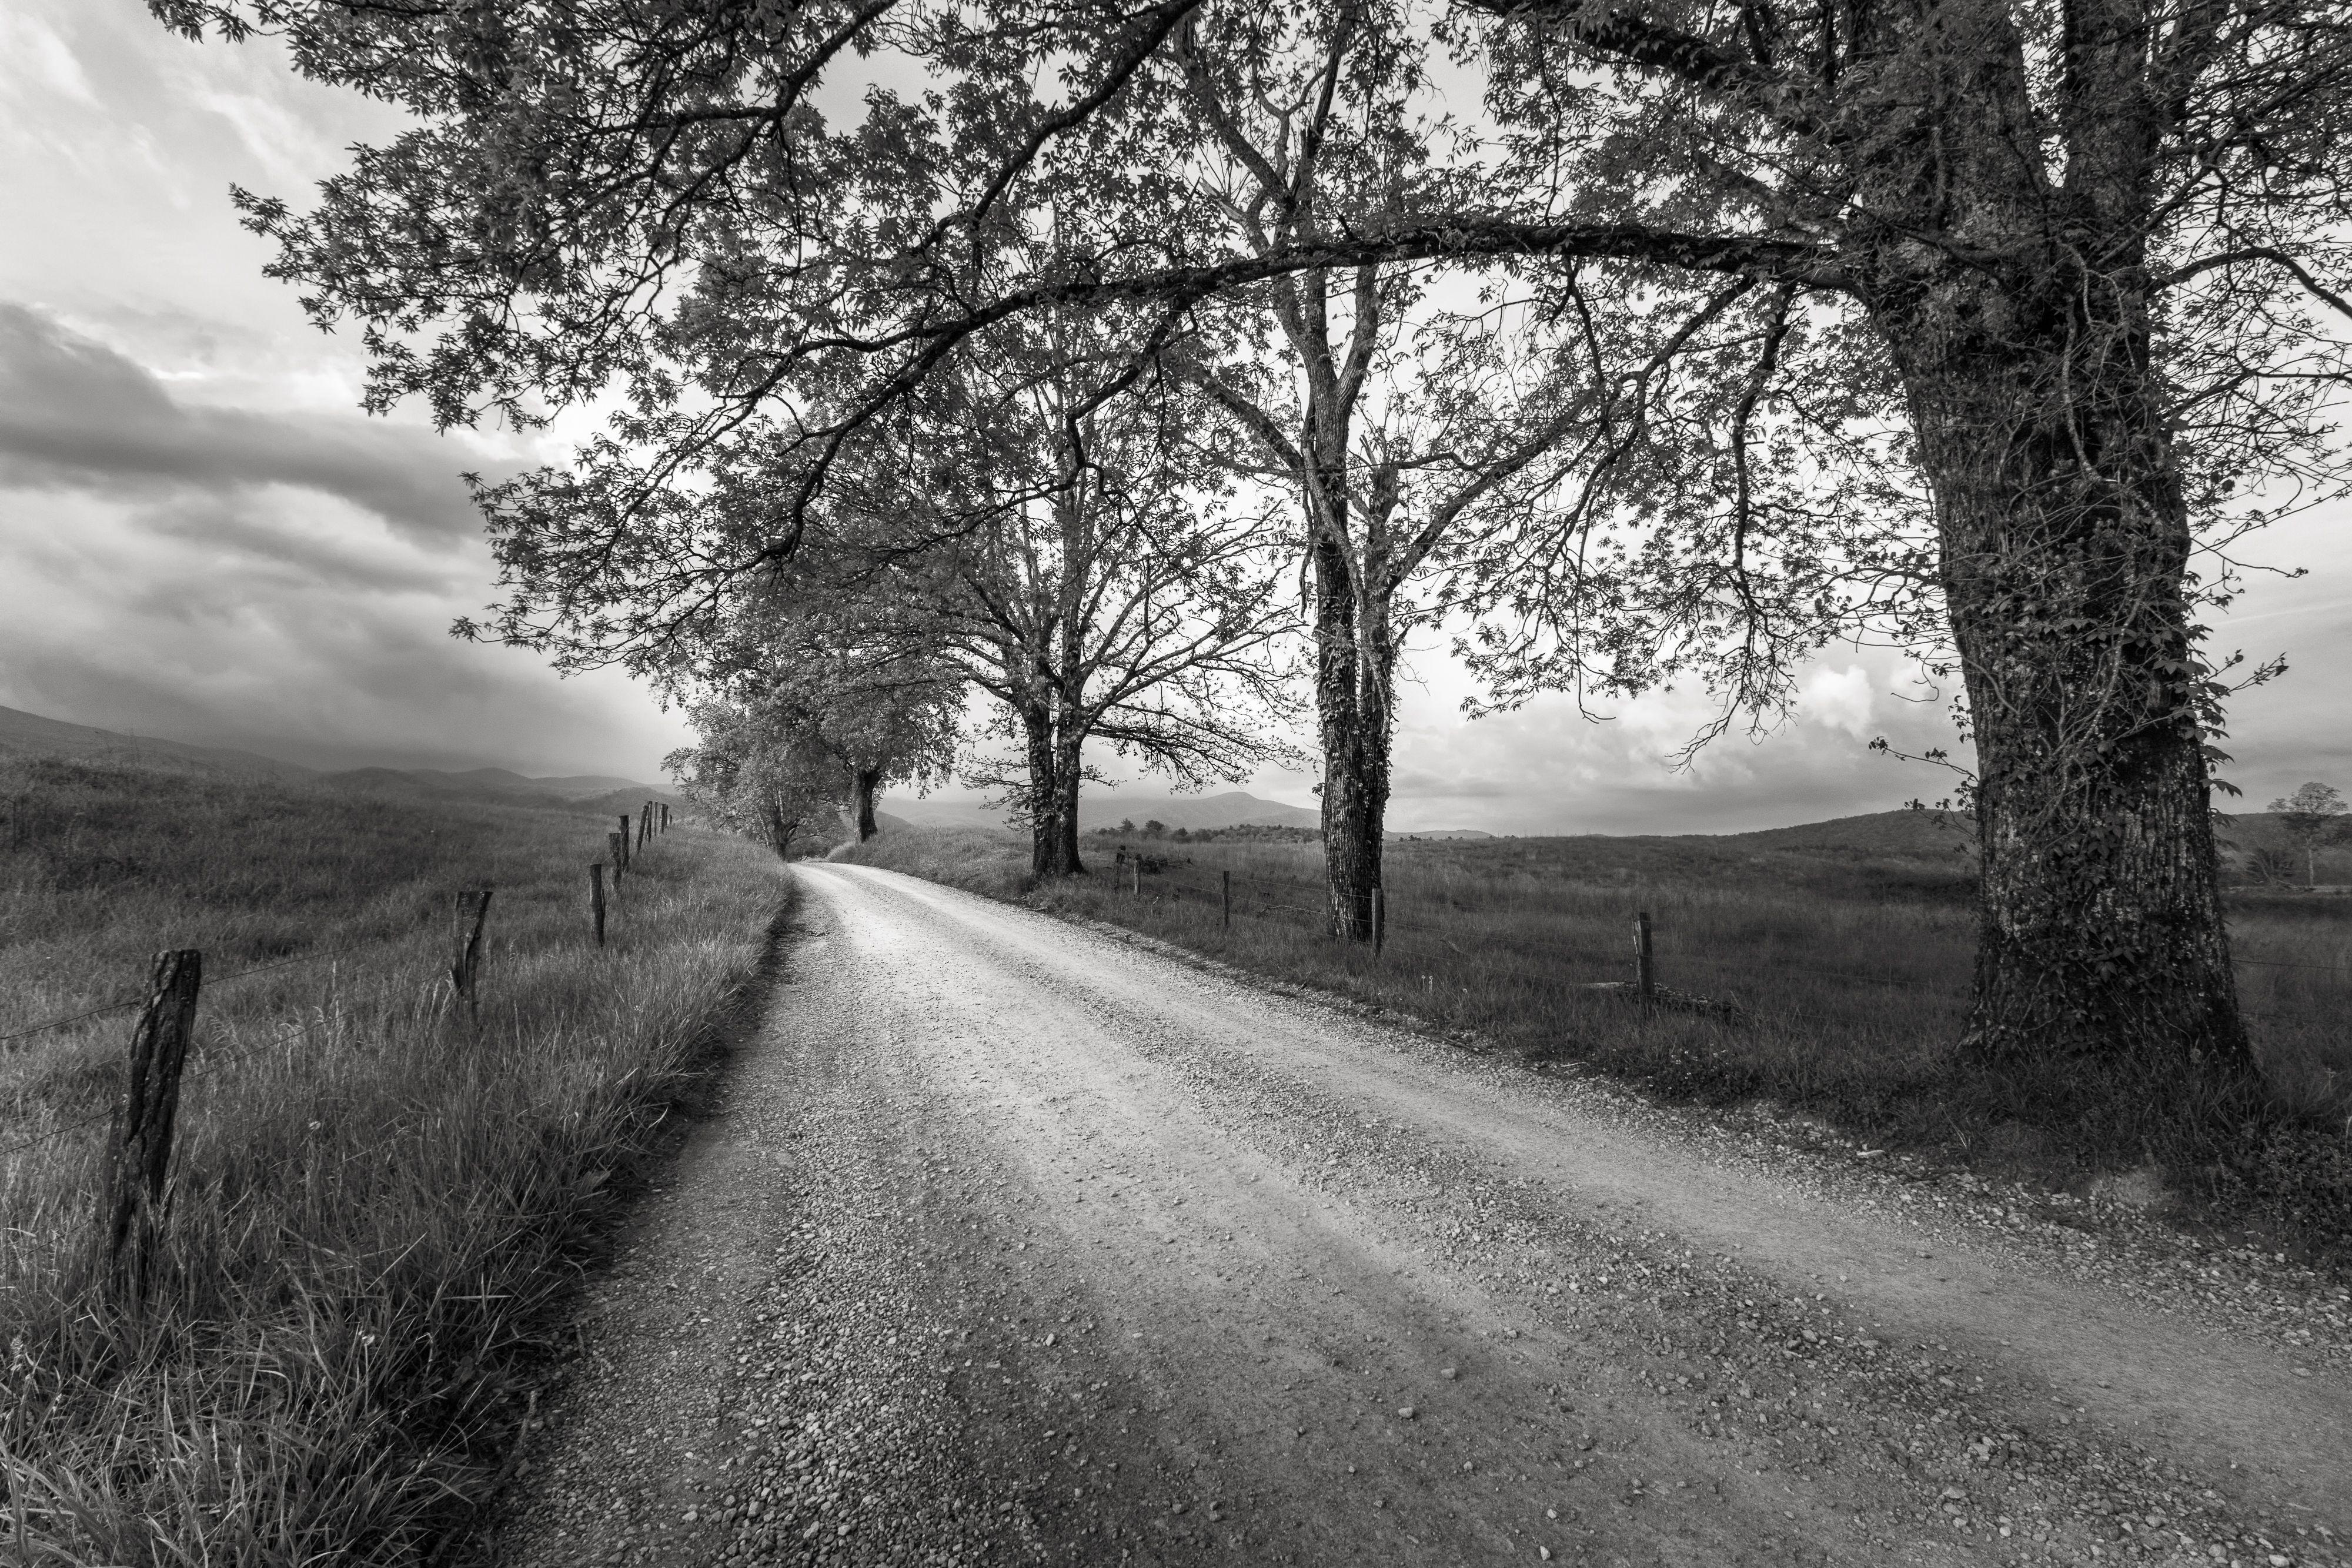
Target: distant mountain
{"x":500,"y":784}
{"x":1443,"y":833}
{"x":506,"y":781}
{"x":1233,"y":808}
{"x":913,"y":812}
{"x":579,"y":786}
{"x":29,"y":734}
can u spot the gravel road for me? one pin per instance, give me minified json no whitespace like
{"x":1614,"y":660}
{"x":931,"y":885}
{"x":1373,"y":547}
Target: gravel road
{"x":1017,"y":1241}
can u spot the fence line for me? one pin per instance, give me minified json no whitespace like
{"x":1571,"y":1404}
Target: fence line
{"x":213,"y":1061}
{"x":295,"y":962}
{"x":147,"y":1104}
{"x":658,"y":826}
{"x":1247,"y":897}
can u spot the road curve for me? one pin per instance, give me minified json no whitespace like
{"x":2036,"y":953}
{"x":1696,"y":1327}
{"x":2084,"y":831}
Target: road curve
{"x":1018,"y":1241}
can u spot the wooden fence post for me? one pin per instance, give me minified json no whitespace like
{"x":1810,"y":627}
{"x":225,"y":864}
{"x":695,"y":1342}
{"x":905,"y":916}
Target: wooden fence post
{"x":472,"y":908}
{"x":1379,"y":922}
{"x":596,"y":898}
{"x":1229,"y":900}
{"x":618,"y":849}
{"x":665,"y":817}
{"x":1642,"y":977}
{"x":645,"y":825}
{"x":139,"y":1141}
{"x":623,"y":863}
{"x":1136,"y":864}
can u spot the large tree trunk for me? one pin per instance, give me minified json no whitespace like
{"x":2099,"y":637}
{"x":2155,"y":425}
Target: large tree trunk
{"x":864,"y":782}
{"x":1051,"y":796}
{"x":1043,"y":789}
{"x":2104,"y":964}
{"x":1353,"y":662}
{"x":1067,"y":771}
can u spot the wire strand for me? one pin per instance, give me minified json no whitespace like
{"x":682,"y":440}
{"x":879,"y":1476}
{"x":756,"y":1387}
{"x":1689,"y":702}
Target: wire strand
{"x":209,"y":982}
{"x":212,"y":1065}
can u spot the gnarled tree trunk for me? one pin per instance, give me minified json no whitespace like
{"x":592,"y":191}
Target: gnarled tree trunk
{"x":2104,"y":963}
{"x":1068,"y":771}
{"x":1051,"y":796}
{"x":864,"y":782}
{"x":1354,"y":661}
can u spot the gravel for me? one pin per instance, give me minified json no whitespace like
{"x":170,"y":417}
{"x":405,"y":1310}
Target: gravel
{"x":1013,"y":1242}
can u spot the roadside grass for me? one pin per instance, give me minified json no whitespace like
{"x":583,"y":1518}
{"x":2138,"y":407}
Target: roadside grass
{"x":1824,"y":971}
{"x":374,"y":1197}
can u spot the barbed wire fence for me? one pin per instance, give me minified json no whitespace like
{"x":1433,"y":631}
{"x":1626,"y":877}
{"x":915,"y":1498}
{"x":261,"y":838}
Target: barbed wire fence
{"x":141,"y":1116}
{"x":1637,"y":967}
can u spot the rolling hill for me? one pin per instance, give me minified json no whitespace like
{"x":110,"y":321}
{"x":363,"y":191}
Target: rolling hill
{"x":30,"y":734}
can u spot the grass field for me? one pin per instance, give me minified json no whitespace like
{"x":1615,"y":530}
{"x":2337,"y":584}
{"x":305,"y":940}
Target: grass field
{"x":1840,"y":955}
{"x":375,"y":1196}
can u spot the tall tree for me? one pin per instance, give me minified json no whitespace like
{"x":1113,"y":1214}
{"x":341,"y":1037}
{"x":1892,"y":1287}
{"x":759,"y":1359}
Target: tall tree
{"x":855,"y":676}
{"x":2313,"y":816}
{"x":1311,"y":132}
{"x":1073,"y":556}
{"x":754,"y":771}
{"x":2076,"y":253}
{"x":2078,"y":246}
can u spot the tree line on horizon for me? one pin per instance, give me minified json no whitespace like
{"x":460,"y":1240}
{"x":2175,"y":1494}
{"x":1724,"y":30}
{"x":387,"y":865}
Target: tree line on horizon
{"x":1155,"y":369}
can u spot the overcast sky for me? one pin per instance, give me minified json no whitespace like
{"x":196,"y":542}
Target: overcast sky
{"x":202,"y":539}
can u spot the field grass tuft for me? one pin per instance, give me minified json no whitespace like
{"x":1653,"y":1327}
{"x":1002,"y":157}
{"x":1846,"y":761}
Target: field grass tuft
{"x":375,"y":1196}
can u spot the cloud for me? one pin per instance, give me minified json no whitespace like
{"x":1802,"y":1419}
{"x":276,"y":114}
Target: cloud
{"x":1841,"y":699}
{"x":78,"y":415}
{"x":192,"y":618}
{"x":282,"y":581}
{"x":43,"y":58}
{"x":1414,"y":783}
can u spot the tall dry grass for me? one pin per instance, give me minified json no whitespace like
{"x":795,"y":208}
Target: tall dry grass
{"x":375,"y":1196}
{"x":1841,"y":969}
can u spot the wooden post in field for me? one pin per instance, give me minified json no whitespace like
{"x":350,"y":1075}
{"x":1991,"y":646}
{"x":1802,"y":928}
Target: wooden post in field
{"x":1229,"y":900}
{"x":596,"y":898}
{"x":472,"y":908}
{"x":645,"y":825}
{"x":1379,"y":922}
{"x":623,"y":863}
{"x":665,"y":817}
{"x":1642,"y":977}
{"x":618,"y":848}
{"x":1136,"y":864}
{"x":138,"y":1140}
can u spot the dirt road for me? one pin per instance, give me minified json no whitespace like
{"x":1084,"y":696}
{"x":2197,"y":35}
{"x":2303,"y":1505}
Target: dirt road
{"x":1014,"y":1241}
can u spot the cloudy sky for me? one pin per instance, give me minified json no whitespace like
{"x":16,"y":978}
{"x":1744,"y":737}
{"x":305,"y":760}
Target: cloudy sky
{"x":202,"y":539}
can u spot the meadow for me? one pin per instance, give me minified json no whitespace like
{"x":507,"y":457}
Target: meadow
{"x":1823,"y":970}
{"x":376,"y":1194}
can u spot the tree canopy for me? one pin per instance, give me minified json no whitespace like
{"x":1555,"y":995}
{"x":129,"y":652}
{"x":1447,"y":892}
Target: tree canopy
{"x":1979,"y":327}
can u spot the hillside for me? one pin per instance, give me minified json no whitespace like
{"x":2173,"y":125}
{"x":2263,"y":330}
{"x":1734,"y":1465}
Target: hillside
{"x":375,"y":1188}
{"x":1931,"y":835}
{"x":25,"y":734}
{"x":28,"y":734}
